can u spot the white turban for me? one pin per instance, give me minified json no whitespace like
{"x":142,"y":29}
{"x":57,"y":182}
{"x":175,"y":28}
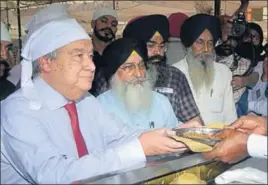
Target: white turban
{"x":4,"y":33}
{"x":53,"y":12}
{"x":44,"y":40}
{"x":102,"y":12}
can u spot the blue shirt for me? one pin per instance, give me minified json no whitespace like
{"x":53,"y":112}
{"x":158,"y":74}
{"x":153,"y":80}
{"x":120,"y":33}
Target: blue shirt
{"x":160,"y":115}
{"x":37,"y":144}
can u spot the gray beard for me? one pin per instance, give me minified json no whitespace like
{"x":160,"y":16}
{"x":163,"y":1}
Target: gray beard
{"x":201,"y":70}
{"x":135,"y":97}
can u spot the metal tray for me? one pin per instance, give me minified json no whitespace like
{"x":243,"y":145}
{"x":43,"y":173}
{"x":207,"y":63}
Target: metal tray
{"x":204,"y":131}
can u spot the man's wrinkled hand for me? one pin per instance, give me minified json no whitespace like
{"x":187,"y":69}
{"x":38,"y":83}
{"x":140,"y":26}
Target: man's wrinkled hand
{"x":158,"y":142}
{"x":251,"y":124}
{"x":231,"y":149}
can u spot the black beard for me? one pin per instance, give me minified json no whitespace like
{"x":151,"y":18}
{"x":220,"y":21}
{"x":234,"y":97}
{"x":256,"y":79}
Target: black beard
{"x":157,"y":60}
{"x":223,"y":50}
{"x":105,"y":38}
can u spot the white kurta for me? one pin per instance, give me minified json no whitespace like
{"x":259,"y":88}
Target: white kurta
{"x":216,"y":104}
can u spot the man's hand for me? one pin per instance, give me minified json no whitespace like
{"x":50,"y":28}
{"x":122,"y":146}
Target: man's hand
{"x":231,"y":149}
{"x":157,"y":142}
{"x":238,"y":82}
{"x":191,"y":124}
{"x":251,"y":125}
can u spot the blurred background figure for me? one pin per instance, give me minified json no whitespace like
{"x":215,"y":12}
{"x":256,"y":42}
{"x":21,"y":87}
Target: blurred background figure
{"x":6,"y":87}
{"x":175,"y":49}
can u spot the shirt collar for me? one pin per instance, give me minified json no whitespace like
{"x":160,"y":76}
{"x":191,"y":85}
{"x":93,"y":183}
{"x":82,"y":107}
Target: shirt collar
{"x":49,"y":98}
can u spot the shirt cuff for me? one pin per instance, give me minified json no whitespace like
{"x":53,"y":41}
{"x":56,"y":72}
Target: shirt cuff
{"x":131,"y":153}
{"x":257,"y":146}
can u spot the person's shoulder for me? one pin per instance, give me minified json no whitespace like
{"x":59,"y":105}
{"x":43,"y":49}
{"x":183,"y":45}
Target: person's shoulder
{"x":104,"y":96}
{"x":179,"y":64}
{"x":222,"y":69}
{"x":160,"y":98}
{"x":15,"y":103}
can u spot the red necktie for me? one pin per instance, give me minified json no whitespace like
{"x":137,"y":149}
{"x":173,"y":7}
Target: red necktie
{"x":79,"y":140}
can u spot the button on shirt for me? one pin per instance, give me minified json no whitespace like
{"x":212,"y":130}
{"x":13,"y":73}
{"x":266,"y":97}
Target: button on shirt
{"x":38,"y":147}
{"x":160,"y":115}
{"x":216,"y":104}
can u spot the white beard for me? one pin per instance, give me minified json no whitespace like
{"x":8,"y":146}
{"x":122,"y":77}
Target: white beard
{"x":135,"y":97}
{"x":201,"y":70}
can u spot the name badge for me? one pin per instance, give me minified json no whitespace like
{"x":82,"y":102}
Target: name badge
{"x":164,"y":90}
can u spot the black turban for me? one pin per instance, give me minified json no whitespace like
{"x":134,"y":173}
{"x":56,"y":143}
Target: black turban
{"x":195,"y":25}
{"x":116,"y":53}
{"x":145,"y":27}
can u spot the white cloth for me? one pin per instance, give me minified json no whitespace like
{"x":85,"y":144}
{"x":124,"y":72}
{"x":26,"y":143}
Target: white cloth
{"x":246,"y":175}
{"x":251,"y":170}
{"x":216,"y":105}
{"x":50,"y":13}
{"x":257,"y":146}
{"x":44,"y":40}
{"x":4,"y":33}
{"x":102,"y":12}
{"x":54,"y":11}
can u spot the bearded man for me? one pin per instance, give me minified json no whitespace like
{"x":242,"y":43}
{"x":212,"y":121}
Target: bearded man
{"x":131,"y":97}
{"x":210,"y":82}
{"x":104,"y":24}
{"x":153,"y":30}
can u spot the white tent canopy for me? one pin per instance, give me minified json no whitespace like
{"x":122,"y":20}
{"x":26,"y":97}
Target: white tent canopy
{"x":82,"y":10}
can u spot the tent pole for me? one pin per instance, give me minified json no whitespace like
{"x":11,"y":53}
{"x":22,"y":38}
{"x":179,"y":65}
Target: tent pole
{"x":217,"y":7}
{"x":8,"y":25}
{"x":114,"y":4}
{"x":19,"y":23}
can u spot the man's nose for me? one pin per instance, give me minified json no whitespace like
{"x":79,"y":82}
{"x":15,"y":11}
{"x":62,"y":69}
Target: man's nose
{"x":206,"y":48}
{"x":137,"y":72}
{"x":89,"y":64}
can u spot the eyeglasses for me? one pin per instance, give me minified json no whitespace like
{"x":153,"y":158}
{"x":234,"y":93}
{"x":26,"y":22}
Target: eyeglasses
{"x":131,"y":68}
{"x":155,"y":46}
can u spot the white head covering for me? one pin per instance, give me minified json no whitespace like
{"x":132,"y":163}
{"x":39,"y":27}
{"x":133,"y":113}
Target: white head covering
{"x":54,"y":11}
{"x":103,"y":11}
{"x":4,"y":33}
{"x":44,"y":40}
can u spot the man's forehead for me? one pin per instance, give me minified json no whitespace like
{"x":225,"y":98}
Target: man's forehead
{"x":206,"y":35}
{"x":109,"y":17}
{"x":80,"y":45}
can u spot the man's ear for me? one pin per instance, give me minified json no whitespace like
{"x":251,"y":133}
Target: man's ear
{"x":45,"y":64}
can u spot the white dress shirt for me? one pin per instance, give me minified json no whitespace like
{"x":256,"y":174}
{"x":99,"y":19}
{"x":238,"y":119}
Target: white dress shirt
{"x":38,"y":147}
{"x":216,"y":104}
{"x":257,"y":146}
{"x":159,"y":115}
